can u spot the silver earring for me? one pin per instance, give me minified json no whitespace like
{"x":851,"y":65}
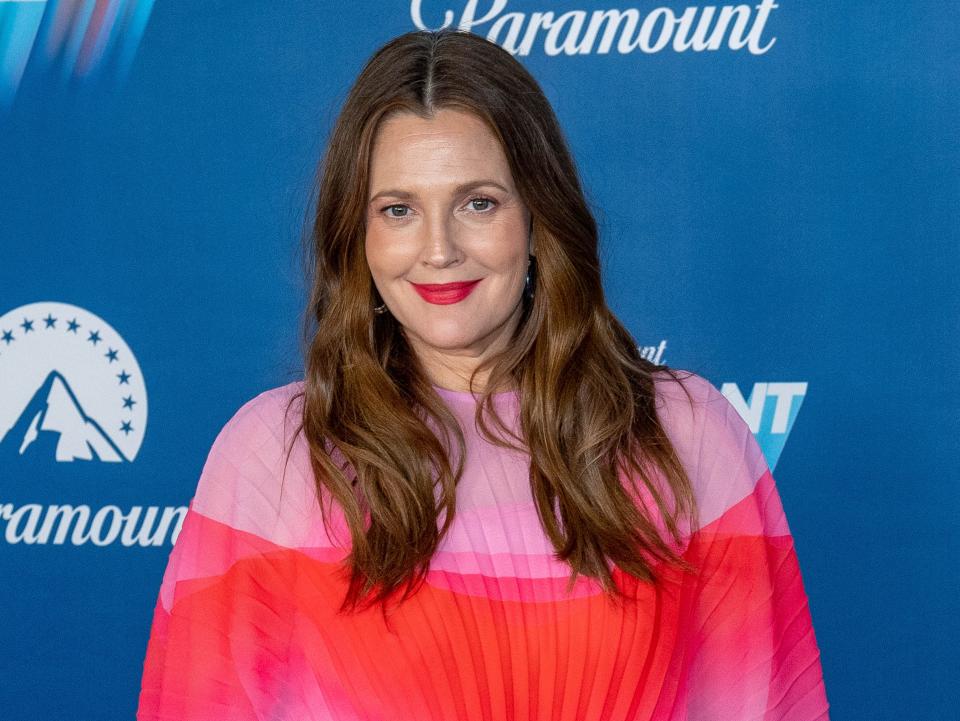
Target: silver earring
{"x":531,"y":275}
{"x":380,"y":309}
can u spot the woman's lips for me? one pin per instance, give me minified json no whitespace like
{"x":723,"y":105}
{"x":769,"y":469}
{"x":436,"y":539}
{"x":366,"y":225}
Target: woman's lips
{"x":445,"y":293}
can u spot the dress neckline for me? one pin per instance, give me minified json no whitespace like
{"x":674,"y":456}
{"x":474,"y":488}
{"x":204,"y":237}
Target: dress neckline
{"x":466,"y":396}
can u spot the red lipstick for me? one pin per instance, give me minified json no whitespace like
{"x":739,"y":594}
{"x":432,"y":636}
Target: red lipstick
{"x":445,"y":293}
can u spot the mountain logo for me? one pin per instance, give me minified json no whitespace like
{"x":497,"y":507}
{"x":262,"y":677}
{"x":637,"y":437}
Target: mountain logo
{"x":70,"y":387}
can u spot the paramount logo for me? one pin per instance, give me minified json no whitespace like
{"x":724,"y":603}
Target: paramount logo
{"x":583,"y":32}
{"x":72,"y":397}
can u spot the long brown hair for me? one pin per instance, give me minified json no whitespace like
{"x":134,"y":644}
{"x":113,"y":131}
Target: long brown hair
{"x":587,"y":412}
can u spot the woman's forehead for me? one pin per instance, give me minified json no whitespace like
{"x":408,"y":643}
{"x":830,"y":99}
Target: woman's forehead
{"x":447,"y":151}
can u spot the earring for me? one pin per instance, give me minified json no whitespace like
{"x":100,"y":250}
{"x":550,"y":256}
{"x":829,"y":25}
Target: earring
{"x":531,"y":276}
{"x":380,"y":309}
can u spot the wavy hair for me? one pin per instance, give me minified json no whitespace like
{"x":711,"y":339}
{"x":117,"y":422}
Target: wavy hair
{"x":587,"y":411}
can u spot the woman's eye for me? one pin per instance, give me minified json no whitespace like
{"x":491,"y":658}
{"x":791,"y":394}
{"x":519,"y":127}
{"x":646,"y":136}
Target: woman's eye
{"x":484,"y":204}
{"x":390,"y":208}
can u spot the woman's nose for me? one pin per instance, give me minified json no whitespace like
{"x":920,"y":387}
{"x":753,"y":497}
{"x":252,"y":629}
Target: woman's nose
{"x":440,"y":244}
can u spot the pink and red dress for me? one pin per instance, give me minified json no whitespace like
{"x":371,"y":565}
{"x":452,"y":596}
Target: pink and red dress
{"x":246,"y":623}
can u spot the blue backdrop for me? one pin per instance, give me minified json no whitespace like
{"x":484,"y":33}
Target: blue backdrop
{"x":777,"y":187}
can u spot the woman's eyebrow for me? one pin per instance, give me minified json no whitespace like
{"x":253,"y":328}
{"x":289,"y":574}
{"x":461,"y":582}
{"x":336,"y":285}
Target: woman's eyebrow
{"x":458,"y":190}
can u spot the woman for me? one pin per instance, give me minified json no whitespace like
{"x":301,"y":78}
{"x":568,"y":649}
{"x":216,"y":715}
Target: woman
{"x":481,"y":502}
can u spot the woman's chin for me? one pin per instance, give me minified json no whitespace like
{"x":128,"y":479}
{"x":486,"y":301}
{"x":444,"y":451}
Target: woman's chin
{"x":446,"y":336}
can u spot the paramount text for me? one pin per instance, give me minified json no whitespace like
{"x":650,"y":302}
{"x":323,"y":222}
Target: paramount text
{"x":33,"y":523}
{"x":582,"y":32}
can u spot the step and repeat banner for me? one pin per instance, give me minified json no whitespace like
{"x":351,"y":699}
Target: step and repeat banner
{"x":777,"y":187}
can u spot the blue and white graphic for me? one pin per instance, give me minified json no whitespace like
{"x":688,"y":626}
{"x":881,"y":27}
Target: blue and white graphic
{"x":770,"y":411}
{"x":70,"y":387}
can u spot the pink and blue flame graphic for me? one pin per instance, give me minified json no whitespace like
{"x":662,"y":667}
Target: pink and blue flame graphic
{"x":69,"y":38}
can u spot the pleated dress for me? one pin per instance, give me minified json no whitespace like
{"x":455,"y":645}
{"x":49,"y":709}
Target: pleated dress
{"x":246,"y":624}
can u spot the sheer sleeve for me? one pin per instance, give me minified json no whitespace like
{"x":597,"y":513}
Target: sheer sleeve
{"x":219,"y":625}
{"x":752,"y":653}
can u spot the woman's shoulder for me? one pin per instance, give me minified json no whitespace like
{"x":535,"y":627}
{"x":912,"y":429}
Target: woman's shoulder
{"x":714,"y":443}
{"x":262,"y":413}
{"x":684,"y":400}
{"x":258,"y":431}
{"x":257,"y":476}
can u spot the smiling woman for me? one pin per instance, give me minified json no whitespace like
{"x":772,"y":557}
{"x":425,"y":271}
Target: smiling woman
{"x":552,"y":527}
{"x":448,"y":240}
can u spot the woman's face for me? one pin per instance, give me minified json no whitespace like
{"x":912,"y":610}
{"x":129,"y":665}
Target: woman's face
{"x":442,"y":209}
